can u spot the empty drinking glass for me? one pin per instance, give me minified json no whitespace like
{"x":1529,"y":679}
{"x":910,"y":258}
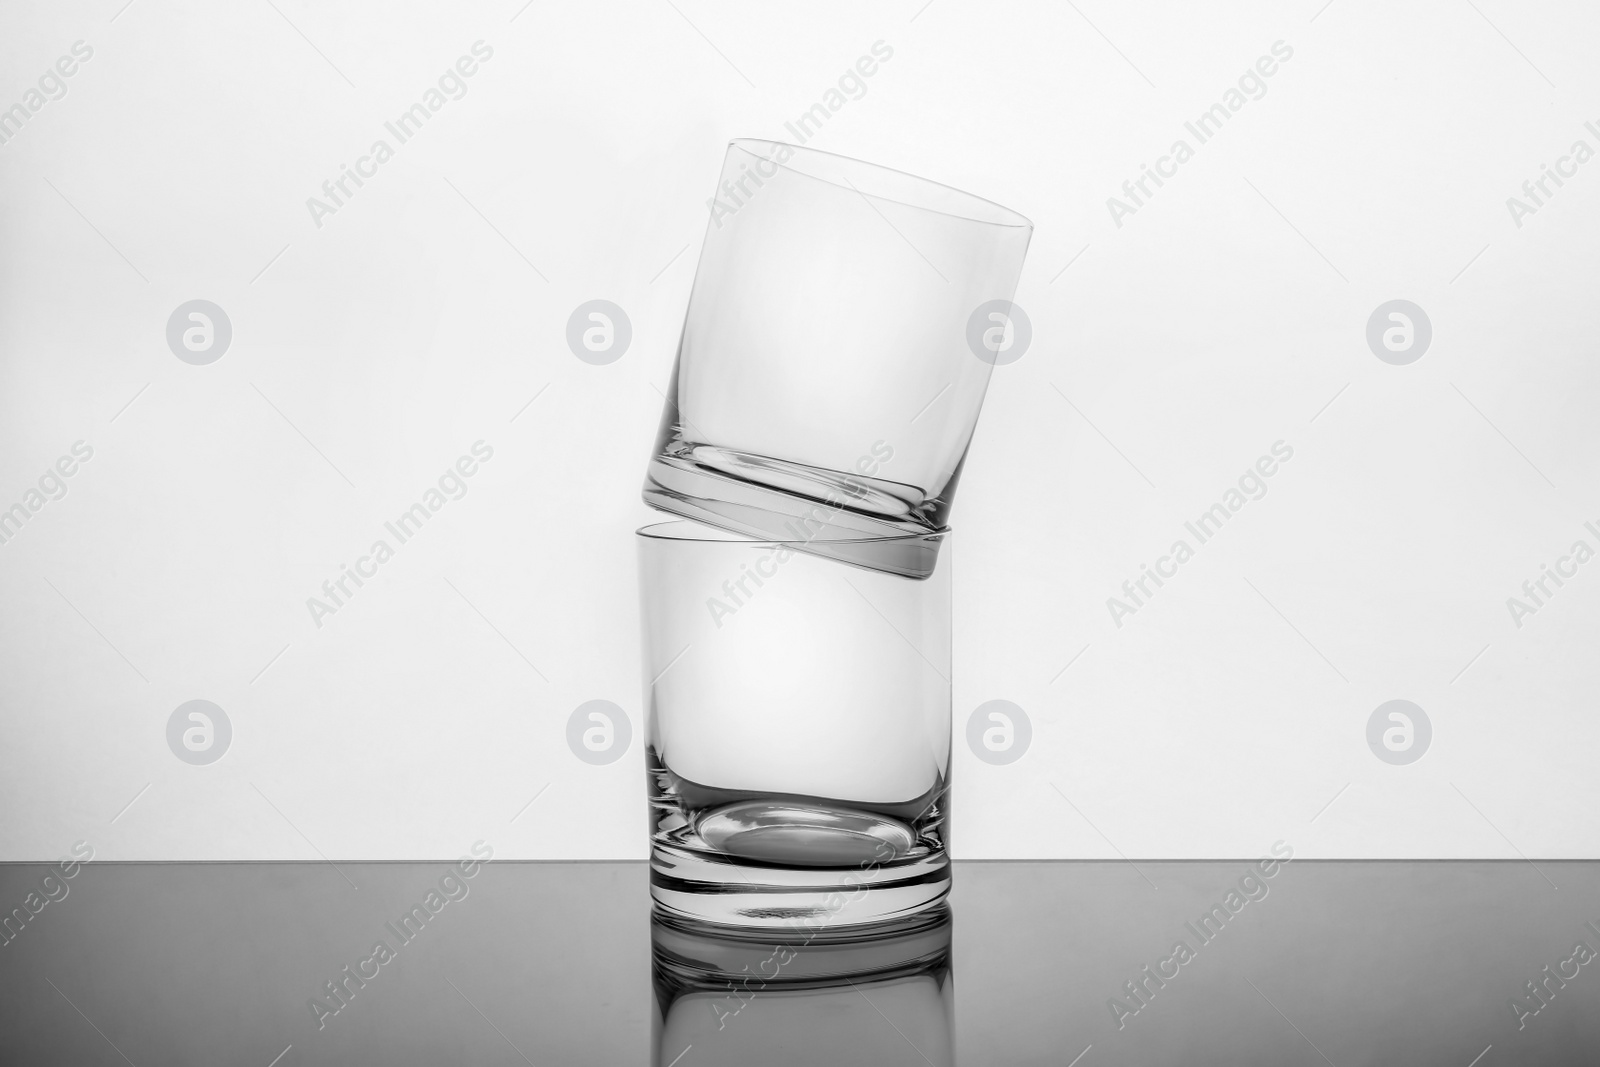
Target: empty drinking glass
{"x":797,"y":725}
{"x":839,"y":339}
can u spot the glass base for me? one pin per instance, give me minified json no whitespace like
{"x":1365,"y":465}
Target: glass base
{"x":726,"y":892}
{"x":769,"y":863}
{"x":822,"y":512}
{"x":691,"y":954}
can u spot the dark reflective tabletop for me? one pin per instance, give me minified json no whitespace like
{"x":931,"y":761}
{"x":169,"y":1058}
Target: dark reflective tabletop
{"x":1470,"y":964}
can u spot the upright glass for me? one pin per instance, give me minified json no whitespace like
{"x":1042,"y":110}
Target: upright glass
{"x":797,"y":724}
{"x":833,"y":355}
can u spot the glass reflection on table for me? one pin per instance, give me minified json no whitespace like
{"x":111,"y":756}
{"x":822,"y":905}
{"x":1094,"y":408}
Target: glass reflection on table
{"x":879,"y":995}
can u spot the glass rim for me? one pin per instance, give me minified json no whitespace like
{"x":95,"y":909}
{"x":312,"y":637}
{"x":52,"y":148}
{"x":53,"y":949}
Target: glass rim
{"x":995,"y":215}
{"x":719,"y":535}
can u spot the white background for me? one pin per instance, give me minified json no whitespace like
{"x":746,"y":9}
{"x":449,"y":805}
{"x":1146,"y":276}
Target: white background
{"x":367,"y":354}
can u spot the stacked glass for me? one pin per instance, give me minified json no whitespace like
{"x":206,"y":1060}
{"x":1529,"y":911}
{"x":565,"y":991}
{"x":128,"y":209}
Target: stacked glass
{"x":839,"y":339}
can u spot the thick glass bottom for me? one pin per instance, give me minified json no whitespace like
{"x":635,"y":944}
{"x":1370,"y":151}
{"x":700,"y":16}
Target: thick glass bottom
{"x":777,"y":861}
{"x":729,"y":890}
{"x":822,"y":512}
